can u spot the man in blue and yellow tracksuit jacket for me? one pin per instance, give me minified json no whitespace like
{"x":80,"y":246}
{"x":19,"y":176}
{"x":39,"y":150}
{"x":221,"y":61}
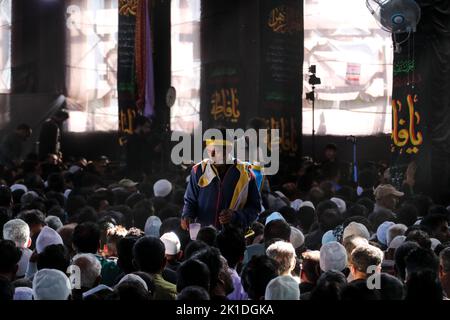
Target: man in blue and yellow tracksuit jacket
{"x":218,"y":194}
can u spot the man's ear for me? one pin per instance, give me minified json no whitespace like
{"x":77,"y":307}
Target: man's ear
{"x":28,"y":243}
{"x":97,"y":281}
{"x":164,"y":263}
{"x":180,"y":255}
{"x":441,"y":271}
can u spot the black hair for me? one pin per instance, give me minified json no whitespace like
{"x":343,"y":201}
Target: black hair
{"x":125,"y":253}
{"x":211,"y":257}
{"x":54,"y":256}
{"x":169,"y":211}
{"x":289,"y":214}
{"x":432,"y":222}
{"x":359,"y":219}
{"x":257,"y":274}
{"x":329,"y":286}
{"x":331,"y":146}
{"x":24,"y":127}
{"x":277,"y":229}
{"x":208,"y":235}
{"x":55,"y":182}
{"x":358,"y":291}
{"x":149,"y":281}
{"x":366,"y":202}
{"x":400,"y":255}
{"x":407,"y":214}
{"x":356,"y":210}
{"x":6,"y":289}
{"x":87,"y":214}
{"x":420,"y":259}
{"x":391,"y":288}
{"x":329,"y":219}
{"x":193,"y":247}
{"x":10,"y":256}
{"x":32,"y":217}
{"x":231,"y":243}
{"x":424,"y":285}
{"x":141,"y":211}
{"x":367,"y":178}
{"x":193,"y":293}
{"x":86,"y":237}
{"x":74,"y":204}
{"x":149,"y":254}
{"x":419,"y":236}
{"x":130,"y":291}
{"x":5,"y":196}
{"x":193,"y":272}
{"x":134,"y":198}
{"x":306,"y":217}
{"x":422,"y":203}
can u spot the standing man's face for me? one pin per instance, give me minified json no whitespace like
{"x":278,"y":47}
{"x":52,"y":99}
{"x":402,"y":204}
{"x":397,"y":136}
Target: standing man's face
{"x":330,"y":154}
{"x":390,"y":202}
{"x":25,"y":134}
{"x":218,"y":154}
{"x":442,"y":233}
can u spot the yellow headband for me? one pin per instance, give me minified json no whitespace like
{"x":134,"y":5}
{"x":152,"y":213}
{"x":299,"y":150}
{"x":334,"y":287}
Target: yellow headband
{"x":215,"y":142}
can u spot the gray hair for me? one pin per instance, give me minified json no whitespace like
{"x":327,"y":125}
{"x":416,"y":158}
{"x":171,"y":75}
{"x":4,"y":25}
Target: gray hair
{"x":445,"y":260}
{"x":284,"y":253}
{"x":53,"y":222}
{"x":90,"y":268}
{"x":17,"y":231}
{"x":395,"y":230}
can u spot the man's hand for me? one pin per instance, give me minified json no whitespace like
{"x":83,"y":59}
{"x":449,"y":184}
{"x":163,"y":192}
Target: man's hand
{"x":185,"y":222}
{"x":410,"y":174}
{"x":225,"y":216}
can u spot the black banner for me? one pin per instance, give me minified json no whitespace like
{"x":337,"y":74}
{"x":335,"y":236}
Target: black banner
{"x":126,"y":70}
{"x":252,"y":56}
{"x":421,"y":103}
{"x":281,"y":25}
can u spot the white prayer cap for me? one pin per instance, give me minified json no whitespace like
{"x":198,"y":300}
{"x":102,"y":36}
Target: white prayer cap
{"x":74,"y":168}
{"x":152,"y":226}
{"x":53,"y":222}
{"x":382,"y":231}
{"x":162,"y":188}
{"x":282,"y":288}
{"x":274,"y":216}
{"x":394,"y":230}
{"x":23,"y":293}
{"x":51,"y":284}
{"x":397,"y":242}
{"x":340,"y":204}
{"x":28,"y":197}
{"x":67,"y":193}
{"x":19,"y":186}
{"x":333,"y":256}
{"x":171,"y":243}
{"x":133,"y":278}
{"x":47,"y":237}
{"x":297,"y":238}
{"x":296,"y":204}
{"x":434,"y":243}
{"x":356,"y":229}
{"x":307,"y":204}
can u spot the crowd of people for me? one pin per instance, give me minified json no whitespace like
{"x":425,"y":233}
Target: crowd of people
{"x":79,"y":230}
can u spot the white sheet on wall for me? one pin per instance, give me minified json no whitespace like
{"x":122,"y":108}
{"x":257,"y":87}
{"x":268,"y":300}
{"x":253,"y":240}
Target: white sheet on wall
{"x":5,"y":48}
{"x":91,"y":77}
{"x":185,"y":28}
{"x":354,"y":62}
